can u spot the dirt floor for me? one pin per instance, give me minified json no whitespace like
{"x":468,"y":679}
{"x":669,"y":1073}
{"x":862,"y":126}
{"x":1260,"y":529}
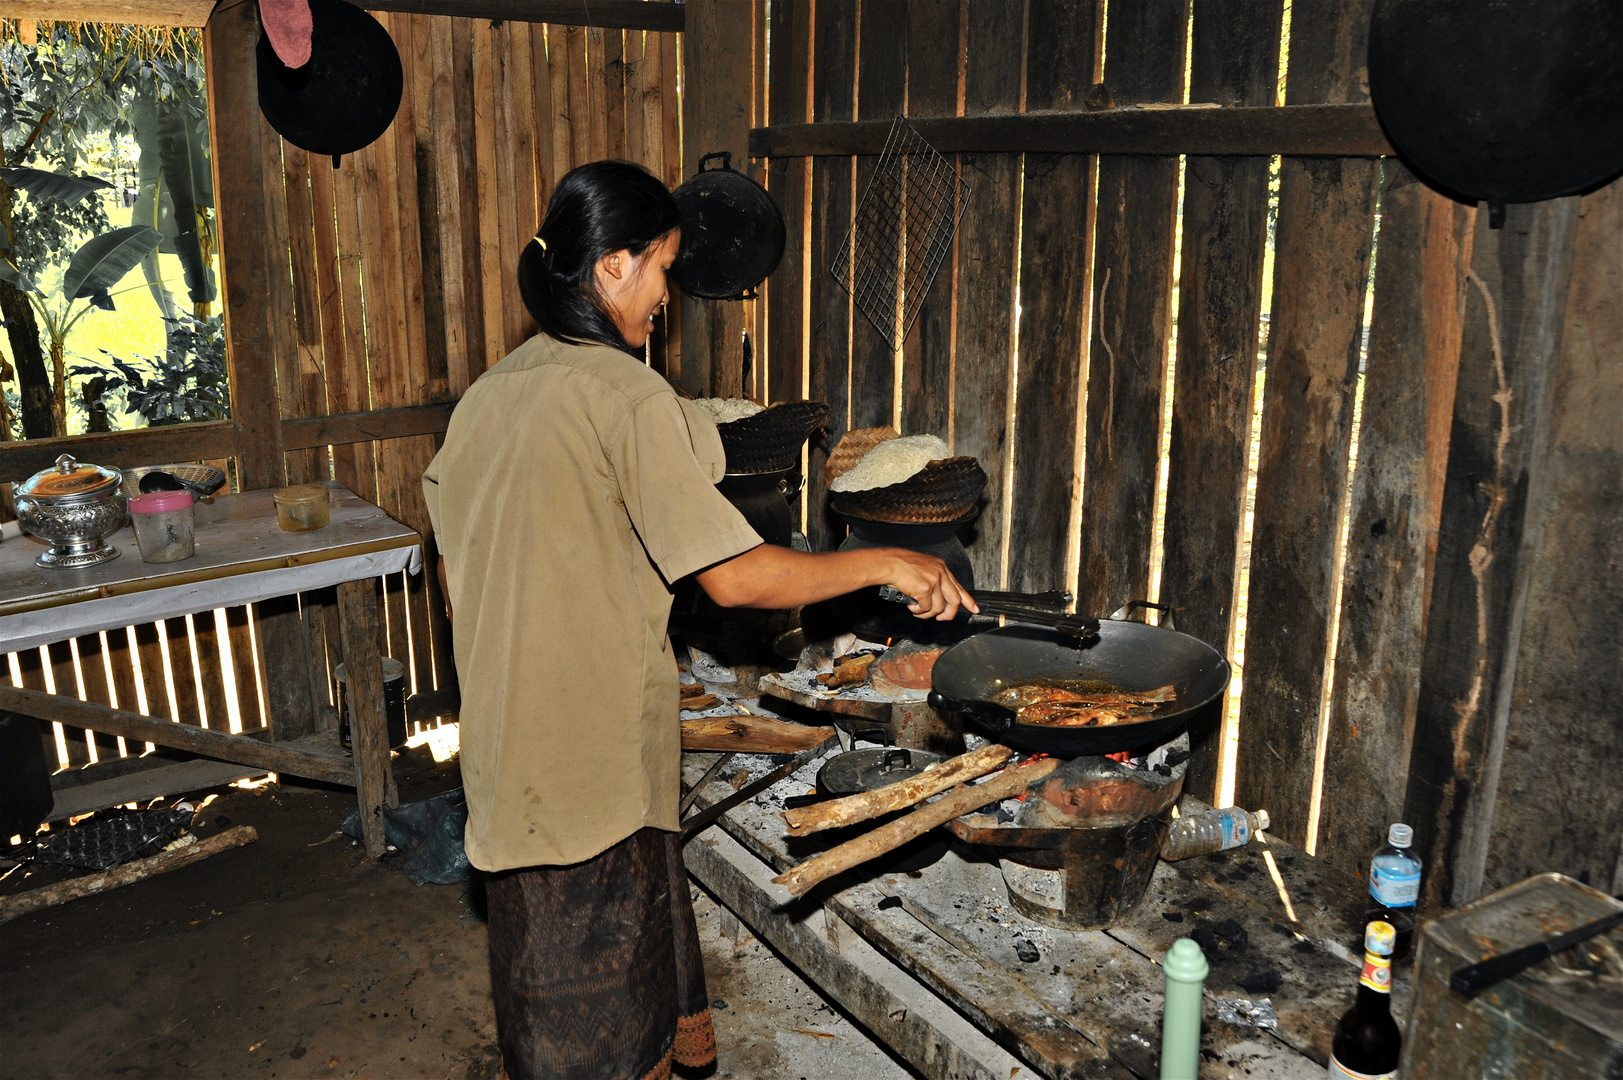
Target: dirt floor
{"x":296,"y":957}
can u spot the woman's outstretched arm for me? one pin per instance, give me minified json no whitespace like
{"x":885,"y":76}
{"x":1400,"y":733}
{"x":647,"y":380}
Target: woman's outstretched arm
{"x":769,"y":576}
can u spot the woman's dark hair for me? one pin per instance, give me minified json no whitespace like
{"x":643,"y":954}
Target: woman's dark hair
{"x":595,"y":209}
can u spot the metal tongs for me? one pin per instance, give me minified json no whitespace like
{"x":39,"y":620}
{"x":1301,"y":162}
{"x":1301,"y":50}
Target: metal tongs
{"x":1039,"y":609}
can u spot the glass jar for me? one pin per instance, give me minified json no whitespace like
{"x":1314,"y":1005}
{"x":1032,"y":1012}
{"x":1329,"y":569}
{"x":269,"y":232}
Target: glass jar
{"x":163,"y":525}
{"x":302,"y":507}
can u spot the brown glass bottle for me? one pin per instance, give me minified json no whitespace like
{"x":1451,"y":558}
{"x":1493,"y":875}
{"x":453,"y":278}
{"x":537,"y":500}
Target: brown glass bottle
{"x":1367,"y":1042}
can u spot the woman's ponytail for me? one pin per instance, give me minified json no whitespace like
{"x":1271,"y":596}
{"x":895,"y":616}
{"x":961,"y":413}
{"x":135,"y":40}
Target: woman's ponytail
{"x":595,"y":209}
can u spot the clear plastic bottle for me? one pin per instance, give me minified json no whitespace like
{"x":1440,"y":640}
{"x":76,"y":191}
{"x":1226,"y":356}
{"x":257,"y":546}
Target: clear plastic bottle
{"x":1214,"y":830}
{"x":1394,"y":883}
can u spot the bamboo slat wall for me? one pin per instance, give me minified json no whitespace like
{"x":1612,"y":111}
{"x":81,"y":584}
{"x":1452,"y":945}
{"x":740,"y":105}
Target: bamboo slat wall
{"x":1103,"y":318}
{"x":402,"y":258}
{"x":399,"y":290}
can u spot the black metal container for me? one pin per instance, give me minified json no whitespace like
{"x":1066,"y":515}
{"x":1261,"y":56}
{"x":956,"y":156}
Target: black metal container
{"x":763,"y":499}
{"x":394,"y":704}
{"x":869,"y":616}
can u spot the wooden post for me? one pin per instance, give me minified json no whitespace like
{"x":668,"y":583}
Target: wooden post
{"x":363,"y":669}
{"x":236,"y":135}
{"x":716,"y":55}
{"x":1563,"y":730}
{"x":1488,"y":542}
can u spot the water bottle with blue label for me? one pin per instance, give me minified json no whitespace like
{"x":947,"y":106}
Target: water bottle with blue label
{"x":1394,"y":882}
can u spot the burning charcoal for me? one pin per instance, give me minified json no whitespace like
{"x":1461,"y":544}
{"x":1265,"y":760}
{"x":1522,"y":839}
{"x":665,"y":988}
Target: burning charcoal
{"x":1026,"y":951}
{"x":1263,"y":982}
{"x":1172,"y":916}
{"x":1221,"y":941}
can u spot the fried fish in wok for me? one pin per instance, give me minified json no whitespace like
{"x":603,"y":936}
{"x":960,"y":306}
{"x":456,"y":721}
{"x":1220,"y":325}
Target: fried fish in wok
{"x":1073,"y":706}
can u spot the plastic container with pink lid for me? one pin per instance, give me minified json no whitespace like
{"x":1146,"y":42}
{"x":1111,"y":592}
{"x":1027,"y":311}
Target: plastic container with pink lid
{"x":163,"y":525}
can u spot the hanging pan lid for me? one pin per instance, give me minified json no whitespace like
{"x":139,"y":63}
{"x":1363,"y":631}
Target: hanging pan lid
{"x":732,"y":233}
{"x":349,"y":92}
{"x":1501,"y":100}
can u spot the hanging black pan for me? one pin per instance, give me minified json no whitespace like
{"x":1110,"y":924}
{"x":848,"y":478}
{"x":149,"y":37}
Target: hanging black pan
{"x":1130,"y":656}
{"x":1502,"y":101}
{"x":733,"y":234}
{"x":349,"y":92}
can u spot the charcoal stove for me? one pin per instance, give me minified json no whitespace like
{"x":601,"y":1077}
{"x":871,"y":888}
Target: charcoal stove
{"x":1078,"y":852}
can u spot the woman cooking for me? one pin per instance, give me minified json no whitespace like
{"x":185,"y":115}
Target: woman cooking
{"x":573,"y":491}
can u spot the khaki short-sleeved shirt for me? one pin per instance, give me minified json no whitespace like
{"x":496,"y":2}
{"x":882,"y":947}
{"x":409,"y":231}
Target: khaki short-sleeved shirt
{"x":573,"y":489}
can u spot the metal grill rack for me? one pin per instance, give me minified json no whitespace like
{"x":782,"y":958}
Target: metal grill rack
{"x":901,"y":233}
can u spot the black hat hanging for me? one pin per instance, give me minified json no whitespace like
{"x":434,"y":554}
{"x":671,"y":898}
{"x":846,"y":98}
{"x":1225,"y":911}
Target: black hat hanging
{"x":345,"y":95}
{"x":1503,"y":101}
{"x":732,"y":233}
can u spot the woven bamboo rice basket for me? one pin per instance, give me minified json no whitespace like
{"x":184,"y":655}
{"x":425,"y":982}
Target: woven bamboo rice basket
{"x":946,"y":490}
{"x":852,"y":448}
{"x":770,"y":440}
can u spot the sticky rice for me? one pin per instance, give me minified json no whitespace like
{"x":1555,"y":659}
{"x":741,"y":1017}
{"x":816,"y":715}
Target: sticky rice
{"x":891,"y":462}
{"x":726,"y":410}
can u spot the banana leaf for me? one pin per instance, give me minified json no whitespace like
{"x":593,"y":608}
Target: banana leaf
{"x":102,"y":261}
{"x":183,"y":157}
{"x":16,"y":277}
{"x":67,"y":190}
{"x":151,"y":207}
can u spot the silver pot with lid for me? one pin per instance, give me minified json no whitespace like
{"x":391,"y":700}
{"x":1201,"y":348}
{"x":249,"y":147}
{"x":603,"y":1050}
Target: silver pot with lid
{"x":75,"y":506}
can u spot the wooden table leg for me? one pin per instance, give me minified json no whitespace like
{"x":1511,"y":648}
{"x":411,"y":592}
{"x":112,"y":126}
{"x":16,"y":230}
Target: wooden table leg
{"x":363,"y":668}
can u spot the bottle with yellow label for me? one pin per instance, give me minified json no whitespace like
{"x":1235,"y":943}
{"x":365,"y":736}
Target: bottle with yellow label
{"x":1367,"y":1042}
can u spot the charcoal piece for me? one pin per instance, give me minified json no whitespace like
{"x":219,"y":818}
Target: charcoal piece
{"x":1172,"y":916}
{"x":890,"y":902}
{"x":1177,"y":757}
{"x":1262,"y":982}
{"x":1026,"y":951}
{"x":1221,"y":941}
{"x":222,"y":822}
{"x":718,"y":1004}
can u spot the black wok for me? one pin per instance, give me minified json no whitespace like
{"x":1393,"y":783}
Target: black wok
{"x":1130,"y":656}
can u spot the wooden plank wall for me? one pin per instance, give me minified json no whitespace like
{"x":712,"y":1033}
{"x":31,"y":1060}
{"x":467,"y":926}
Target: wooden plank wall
{"x":1043,"y":349}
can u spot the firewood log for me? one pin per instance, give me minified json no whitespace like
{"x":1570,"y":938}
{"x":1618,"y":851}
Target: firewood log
{"x":849,"y":672}
{"x":91,"y":884}
{"x":955,"y":803}
{"x":904,"y":793}
{"x":700,"y":702}
{"x":751,"y":735}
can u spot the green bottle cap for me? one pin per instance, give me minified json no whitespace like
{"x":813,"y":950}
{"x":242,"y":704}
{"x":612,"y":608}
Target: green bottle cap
{"x":1185,"y":962}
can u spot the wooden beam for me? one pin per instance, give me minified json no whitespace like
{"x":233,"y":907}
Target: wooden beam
{"x":122,"y":449}
{"x":312,"y":431}
{"x":133,"y":12}
{"x":132,"y":725}
{"x":612,"y":14}
{"x":1303,"y":130}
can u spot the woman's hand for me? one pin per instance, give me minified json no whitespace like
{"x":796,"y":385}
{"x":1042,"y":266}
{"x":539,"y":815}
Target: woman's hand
{"x":936,"y":593}
{"x":775,"y":577}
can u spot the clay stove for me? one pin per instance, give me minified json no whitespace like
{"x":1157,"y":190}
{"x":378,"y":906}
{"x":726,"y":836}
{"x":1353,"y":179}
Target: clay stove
{"x":1079,"y":851}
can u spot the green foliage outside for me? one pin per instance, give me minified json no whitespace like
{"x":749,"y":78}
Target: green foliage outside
{"x":107,"y":264}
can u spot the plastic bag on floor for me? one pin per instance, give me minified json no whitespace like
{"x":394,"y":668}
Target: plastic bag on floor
{"x":429,"y":834}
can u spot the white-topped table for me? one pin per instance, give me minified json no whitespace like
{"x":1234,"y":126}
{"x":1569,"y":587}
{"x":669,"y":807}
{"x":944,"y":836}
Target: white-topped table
{"x":243,"y":557}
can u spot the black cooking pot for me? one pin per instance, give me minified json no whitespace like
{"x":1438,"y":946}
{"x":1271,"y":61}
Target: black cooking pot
{"x":763,"y":499}
{"x":1130,"y":656}
{"x":732,"y":233}
{"x":349,"y":92}
{"x":873,"y":618}
{"x":1501,"y":100}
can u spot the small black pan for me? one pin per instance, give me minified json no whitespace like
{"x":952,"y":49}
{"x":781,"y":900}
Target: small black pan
{"x":1130,"y":656}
